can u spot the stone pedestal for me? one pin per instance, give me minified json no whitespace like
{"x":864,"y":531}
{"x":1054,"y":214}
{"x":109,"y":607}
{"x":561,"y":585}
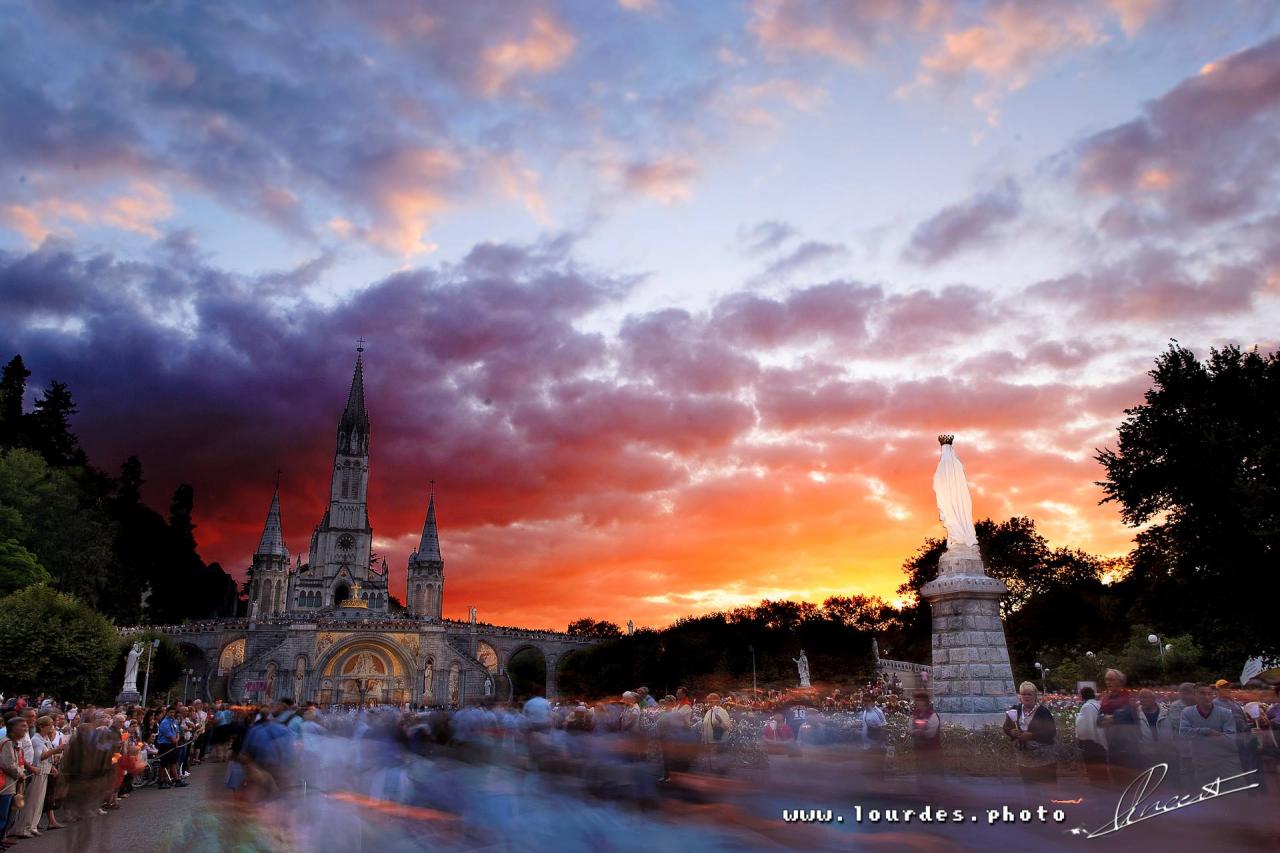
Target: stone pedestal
{"x":129,"y":697}
{"x":971,"y":679}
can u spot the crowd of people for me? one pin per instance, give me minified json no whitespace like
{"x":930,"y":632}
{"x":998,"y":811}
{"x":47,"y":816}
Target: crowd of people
{"x":67,"y":766}
{"x":1203,"y":734}
{"x":63,"y":765}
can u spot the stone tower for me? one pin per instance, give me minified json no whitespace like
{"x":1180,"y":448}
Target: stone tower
{"x":269,"y":592}
{"x":971,"y":678}
{"x":426,"y":569}
{"x":342,"y":543}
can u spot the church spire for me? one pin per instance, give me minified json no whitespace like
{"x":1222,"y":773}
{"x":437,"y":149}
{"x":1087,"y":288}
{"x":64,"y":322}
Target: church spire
{"x":272,"y":542}
{"x":429,"y":547}
{"x":353,"y":428}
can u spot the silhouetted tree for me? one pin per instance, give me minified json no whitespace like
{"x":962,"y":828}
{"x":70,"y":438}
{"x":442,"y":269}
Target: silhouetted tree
{"x":13,"y":390}
{"x":50,"y":430}
{"x":1198,"y":462}
{"x":589,"y":627}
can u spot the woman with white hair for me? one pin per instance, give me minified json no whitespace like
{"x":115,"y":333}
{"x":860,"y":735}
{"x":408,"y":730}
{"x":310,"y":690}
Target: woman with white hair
{"x":629,"y":721}
{"x":1031,"y":727}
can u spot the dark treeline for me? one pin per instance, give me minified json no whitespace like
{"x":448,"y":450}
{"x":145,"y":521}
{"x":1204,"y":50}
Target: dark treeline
{"x":715,"y":651}
{"x":86,"y":533}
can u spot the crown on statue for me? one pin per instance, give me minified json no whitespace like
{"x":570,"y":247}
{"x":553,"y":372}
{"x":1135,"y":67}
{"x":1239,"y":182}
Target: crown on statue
{"x":946,"y":438}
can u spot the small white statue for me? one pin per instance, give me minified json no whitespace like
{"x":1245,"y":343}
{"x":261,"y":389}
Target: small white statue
{"x":802,"y":664}
{"x":131,"y":669}
{"x":631,"y":628}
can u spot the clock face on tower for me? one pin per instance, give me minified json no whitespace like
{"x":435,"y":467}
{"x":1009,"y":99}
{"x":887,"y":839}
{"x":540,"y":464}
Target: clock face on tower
{"x":346,"y":542}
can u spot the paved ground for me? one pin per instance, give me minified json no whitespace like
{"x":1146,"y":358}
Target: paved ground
{"x":140,"y":821}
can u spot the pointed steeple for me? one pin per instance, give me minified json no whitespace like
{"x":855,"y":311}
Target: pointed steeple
{"x":429,"y":547}
{"x":272,"y":542}
{"x":353,"y":428}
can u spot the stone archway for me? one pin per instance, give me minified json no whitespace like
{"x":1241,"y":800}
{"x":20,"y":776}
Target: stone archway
{"x":229,"y":658}
{"x":195,"y":672}
{"x":364,"y":670}
{"x":528,"y":672}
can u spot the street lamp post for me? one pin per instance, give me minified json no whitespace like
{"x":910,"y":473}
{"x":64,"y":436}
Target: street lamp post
{"x":1044,"y":677}
{"x":755,"y":695}
{"x":146,"y":682}
{"x":1155,"y":641}
{"x":186,"y":684}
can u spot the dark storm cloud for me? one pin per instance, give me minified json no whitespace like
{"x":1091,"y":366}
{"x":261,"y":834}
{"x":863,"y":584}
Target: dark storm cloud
{"x":192,"y":369}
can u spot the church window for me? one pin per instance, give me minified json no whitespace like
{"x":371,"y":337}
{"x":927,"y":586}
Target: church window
{"x":346,"y":479}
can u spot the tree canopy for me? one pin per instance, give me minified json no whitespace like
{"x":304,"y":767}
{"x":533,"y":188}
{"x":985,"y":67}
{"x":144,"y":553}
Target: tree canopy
{"x":1197,"y":469}
{"x":53,"y":643}
{"x":589,"y":627}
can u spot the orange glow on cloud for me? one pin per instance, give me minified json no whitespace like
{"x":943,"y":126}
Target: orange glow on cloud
{"x":547,"y":46}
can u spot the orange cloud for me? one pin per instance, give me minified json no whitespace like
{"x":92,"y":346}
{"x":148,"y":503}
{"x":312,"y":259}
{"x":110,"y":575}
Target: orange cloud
{"x":1135,"y":14}
{"x":139,"y":210}
{"x":546,"y":47}
{"x":404,"y":190}
{"x":1009,"y":44}
{"x":849,"y":33}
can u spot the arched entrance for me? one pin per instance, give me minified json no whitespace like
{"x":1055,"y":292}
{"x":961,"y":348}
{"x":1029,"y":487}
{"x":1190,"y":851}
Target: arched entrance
{"x":229,"y":660}
{"x":365,"y":671}
{"x":195,"y":672}
{"x":341,"y":593}
{"x":527,"y":673}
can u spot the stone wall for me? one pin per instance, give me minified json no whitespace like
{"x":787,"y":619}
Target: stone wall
{"x":971,"y":673}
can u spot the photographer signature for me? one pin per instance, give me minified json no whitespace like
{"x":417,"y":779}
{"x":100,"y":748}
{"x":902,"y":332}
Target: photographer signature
{"x":1138,"y":802}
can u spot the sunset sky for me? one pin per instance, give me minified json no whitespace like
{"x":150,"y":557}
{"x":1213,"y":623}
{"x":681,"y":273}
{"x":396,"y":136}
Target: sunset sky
{"x":670,"y":299}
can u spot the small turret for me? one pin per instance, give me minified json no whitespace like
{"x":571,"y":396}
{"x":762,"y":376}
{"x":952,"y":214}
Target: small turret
{"x":426,"y":569}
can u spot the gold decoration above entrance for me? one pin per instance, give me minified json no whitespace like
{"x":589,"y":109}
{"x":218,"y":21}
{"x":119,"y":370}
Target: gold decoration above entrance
{"x":409,"y":642}
{"x":370,"y":657}
{"x":324,"y":640}
{"x":365,"y":671}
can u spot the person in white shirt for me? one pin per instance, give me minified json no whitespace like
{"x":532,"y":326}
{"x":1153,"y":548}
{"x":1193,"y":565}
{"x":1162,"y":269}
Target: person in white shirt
{"x":1091,"y":739}
{"x":873,"y":723}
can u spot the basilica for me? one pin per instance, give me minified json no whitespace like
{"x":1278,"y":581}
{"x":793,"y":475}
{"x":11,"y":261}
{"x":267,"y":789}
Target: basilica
{"x":324,"y":630}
